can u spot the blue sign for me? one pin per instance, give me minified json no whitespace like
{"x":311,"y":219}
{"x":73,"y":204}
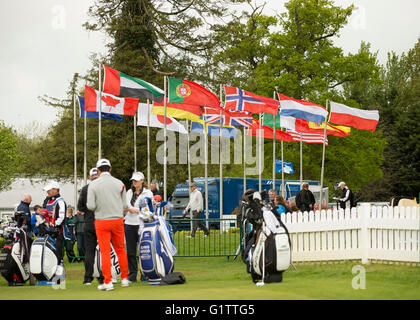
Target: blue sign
{"x":287,"y":166}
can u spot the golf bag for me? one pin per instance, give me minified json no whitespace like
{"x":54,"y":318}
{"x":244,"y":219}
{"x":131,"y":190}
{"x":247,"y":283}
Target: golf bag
{"x":14,"y":257}
{"x":156,"y":248}
{"x":43,"y":261}
{"x":115,"y":266}
{"x":265,"y":241}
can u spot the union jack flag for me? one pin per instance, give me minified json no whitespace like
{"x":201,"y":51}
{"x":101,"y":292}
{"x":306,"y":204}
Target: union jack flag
{"x":242,"y":100}
{"x":230,"y":118}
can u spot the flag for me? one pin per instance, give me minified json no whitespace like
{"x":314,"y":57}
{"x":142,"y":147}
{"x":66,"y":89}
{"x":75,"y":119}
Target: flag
{"x":158,"y":121}
{"x":353,"y":117}
{"x":95,"y":115}
{"x":214,"y":130}
{"x":308,"y":137}
{"x":302,"y":109}
{"x":109,"y":103}
{"x":267,"y":132}
{"x":338,"y":131}
{"x":242,"y":100}
{"x":178,"y":110}
{"x":287,"y":166}
{"x":229,"y":118}
{"x":122,"y":85}
{"x":189,"y":92}
{"x":286,"y":122}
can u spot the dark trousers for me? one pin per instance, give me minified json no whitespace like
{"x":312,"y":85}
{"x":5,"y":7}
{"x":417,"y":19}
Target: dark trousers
{"x":59,"y":247}
{"x":198,"y":223}
{"x":69,"y":245}
{"x":131,"y":242}
{"x":90,"y":250}
{"x":80,"y":243}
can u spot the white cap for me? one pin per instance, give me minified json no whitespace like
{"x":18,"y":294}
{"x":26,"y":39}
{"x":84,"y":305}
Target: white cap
{"x":93,"y":171}
{"x":342,"y":183}
{"x":52,"y":185}
{"x":103,"y":162}
{"x":137,"y":176}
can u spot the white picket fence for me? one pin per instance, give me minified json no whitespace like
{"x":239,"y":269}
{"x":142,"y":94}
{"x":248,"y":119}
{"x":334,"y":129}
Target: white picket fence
{"x":366,"y":233}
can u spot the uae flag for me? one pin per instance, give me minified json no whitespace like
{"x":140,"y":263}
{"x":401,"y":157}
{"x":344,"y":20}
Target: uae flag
{"x":157,"y":121}
{"x":182,"y":111}
{"x":109,"y":103}
{"x":356,"y":118}
{"x":189,"y":92}
{"x":122,"y":85}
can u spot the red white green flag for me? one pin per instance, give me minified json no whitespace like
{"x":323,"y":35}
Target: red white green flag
{"x":109,"y":103}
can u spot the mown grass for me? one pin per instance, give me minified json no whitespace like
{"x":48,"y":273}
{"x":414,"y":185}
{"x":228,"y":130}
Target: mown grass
{"x":215,"y":278}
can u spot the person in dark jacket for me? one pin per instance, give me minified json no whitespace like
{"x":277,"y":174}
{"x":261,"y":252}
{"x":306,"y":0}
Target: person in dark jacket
{"x":88,"y":230}
{"x":79,"y":223}
{"x":305,"y":199}
{"x":347,"y":196}
{"x":24,"y":206}
{"x":68,"y":233}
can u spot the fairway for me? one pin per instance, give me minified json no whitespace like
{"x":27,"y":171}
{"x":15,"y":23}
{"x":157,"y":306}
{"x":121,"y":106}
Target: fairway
{"x":219,"y":279}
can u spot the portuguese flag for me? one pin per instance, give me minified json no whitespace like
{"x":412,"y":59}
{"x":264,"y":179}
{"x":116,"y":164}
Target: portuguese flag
{"x":122,"y":85}
{"x":189,"y":92}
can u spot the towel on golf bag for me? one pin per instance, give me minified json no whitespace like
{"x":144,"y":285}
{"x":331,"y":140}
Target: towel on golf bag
{"x":14,"y":257}
{"x":274,"y":236}
{"x":155,"y":256}
{"x":115,"y":266}
{"x":43,"y":259}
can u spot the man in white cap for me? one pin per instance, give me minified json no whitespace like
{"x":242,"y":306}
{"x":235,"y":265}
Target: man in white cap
{"x":346,"y":196}
{"x":107,"y":197}
{"x":196,"y":206}
{"x":89,"y":232}
{"x":55,"y":203}
{"x":133,"y":222}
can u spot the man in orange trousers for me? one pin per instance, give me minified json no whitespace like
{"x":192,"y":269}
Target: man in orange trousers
{"x":107,"y":198}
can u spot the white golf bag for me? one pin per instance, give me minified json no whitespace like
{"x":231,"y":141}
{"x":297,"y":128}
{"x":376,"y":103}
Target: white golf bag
{"x":115,"y":266}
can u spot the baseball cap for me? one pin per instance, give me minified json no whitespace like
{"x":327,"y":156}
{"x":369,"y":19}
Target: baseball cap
{"x":52,"y":185}
{"x":342,"y":183}
{"x":137,"y":176}
{"x":103,"y":162}
{"x":93,"y":171}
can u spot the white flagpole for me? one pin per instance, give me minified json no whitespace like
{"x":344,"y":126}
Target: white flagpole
{"x":220,"y":164}
{"x":259,"y":155}
{"x":244,"y":137}
{"x":205,"y":169}
{"x":164,"y":143}
{"x":85,"y":148}
{"x":274,"y":147}
{"x":323,"y":160}
{"x":189,"y":168}
{"x":301,"y":159}
{"x":75,"y":150}
{"x":148,"y":142}
{"x":282,"y":171}
{"x":100,"y":114}
{"x":135,"y":142}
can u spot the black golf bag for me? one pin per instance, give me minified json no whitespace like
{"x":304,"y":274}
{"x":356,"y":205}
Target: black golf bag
{"x":44,"y":264}
{"x":14,"y":257}
{"x":265,"y":240}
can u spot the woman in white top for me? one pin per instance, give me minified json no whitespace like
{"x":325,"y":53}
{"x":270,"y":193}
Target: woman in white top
{"x":133,"y":224}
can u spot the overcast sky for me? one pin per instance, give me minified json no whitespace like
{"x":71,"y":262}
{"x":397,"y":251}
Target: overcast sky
{"x":43,"y":44}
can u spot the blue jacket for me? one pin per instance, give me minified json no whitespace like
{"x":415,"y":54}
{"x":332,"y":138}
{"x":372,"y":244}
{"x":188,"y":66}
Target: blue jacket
{"x":68,"y":229}
{"x":281,"y":209}
{"x":23,"y":206}
{"x":33,"y":223}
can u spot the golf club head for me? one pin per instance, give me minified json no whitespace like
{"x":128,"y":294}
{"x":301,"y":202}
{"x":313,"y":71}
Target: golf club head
{"x":260,"y":284}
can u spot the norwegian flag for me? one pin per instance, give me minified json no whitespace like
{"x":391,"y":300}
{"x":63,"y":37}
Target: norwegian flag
{"x":242,"y":100}
{"x":230,"y":118}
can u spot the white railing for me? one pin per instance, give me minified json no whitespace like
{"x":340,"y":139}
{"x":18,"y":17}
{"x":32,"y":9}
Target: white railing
{"x":366,"y":233}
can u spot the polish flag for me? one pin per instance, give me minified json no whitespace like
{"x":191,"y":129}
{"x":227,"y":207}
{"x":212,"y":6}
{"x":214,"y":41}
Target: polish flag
{"x":353,"y":117}
{"x":109,"y":103}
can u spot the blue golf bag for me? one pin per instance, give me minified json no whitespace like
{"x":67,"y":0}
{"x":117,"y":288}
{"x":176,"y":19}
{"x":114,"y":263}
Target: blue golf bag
{"x":156,"y":248}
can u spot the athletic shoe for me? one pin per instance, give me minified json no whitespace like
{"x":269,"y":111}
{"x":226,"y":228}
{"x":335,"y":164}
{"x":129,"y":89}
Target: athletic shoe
{"x":87,"y":283}
{"x":106,"y":287}
{"x":114,"y":280}
{"x":125,"y":283}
